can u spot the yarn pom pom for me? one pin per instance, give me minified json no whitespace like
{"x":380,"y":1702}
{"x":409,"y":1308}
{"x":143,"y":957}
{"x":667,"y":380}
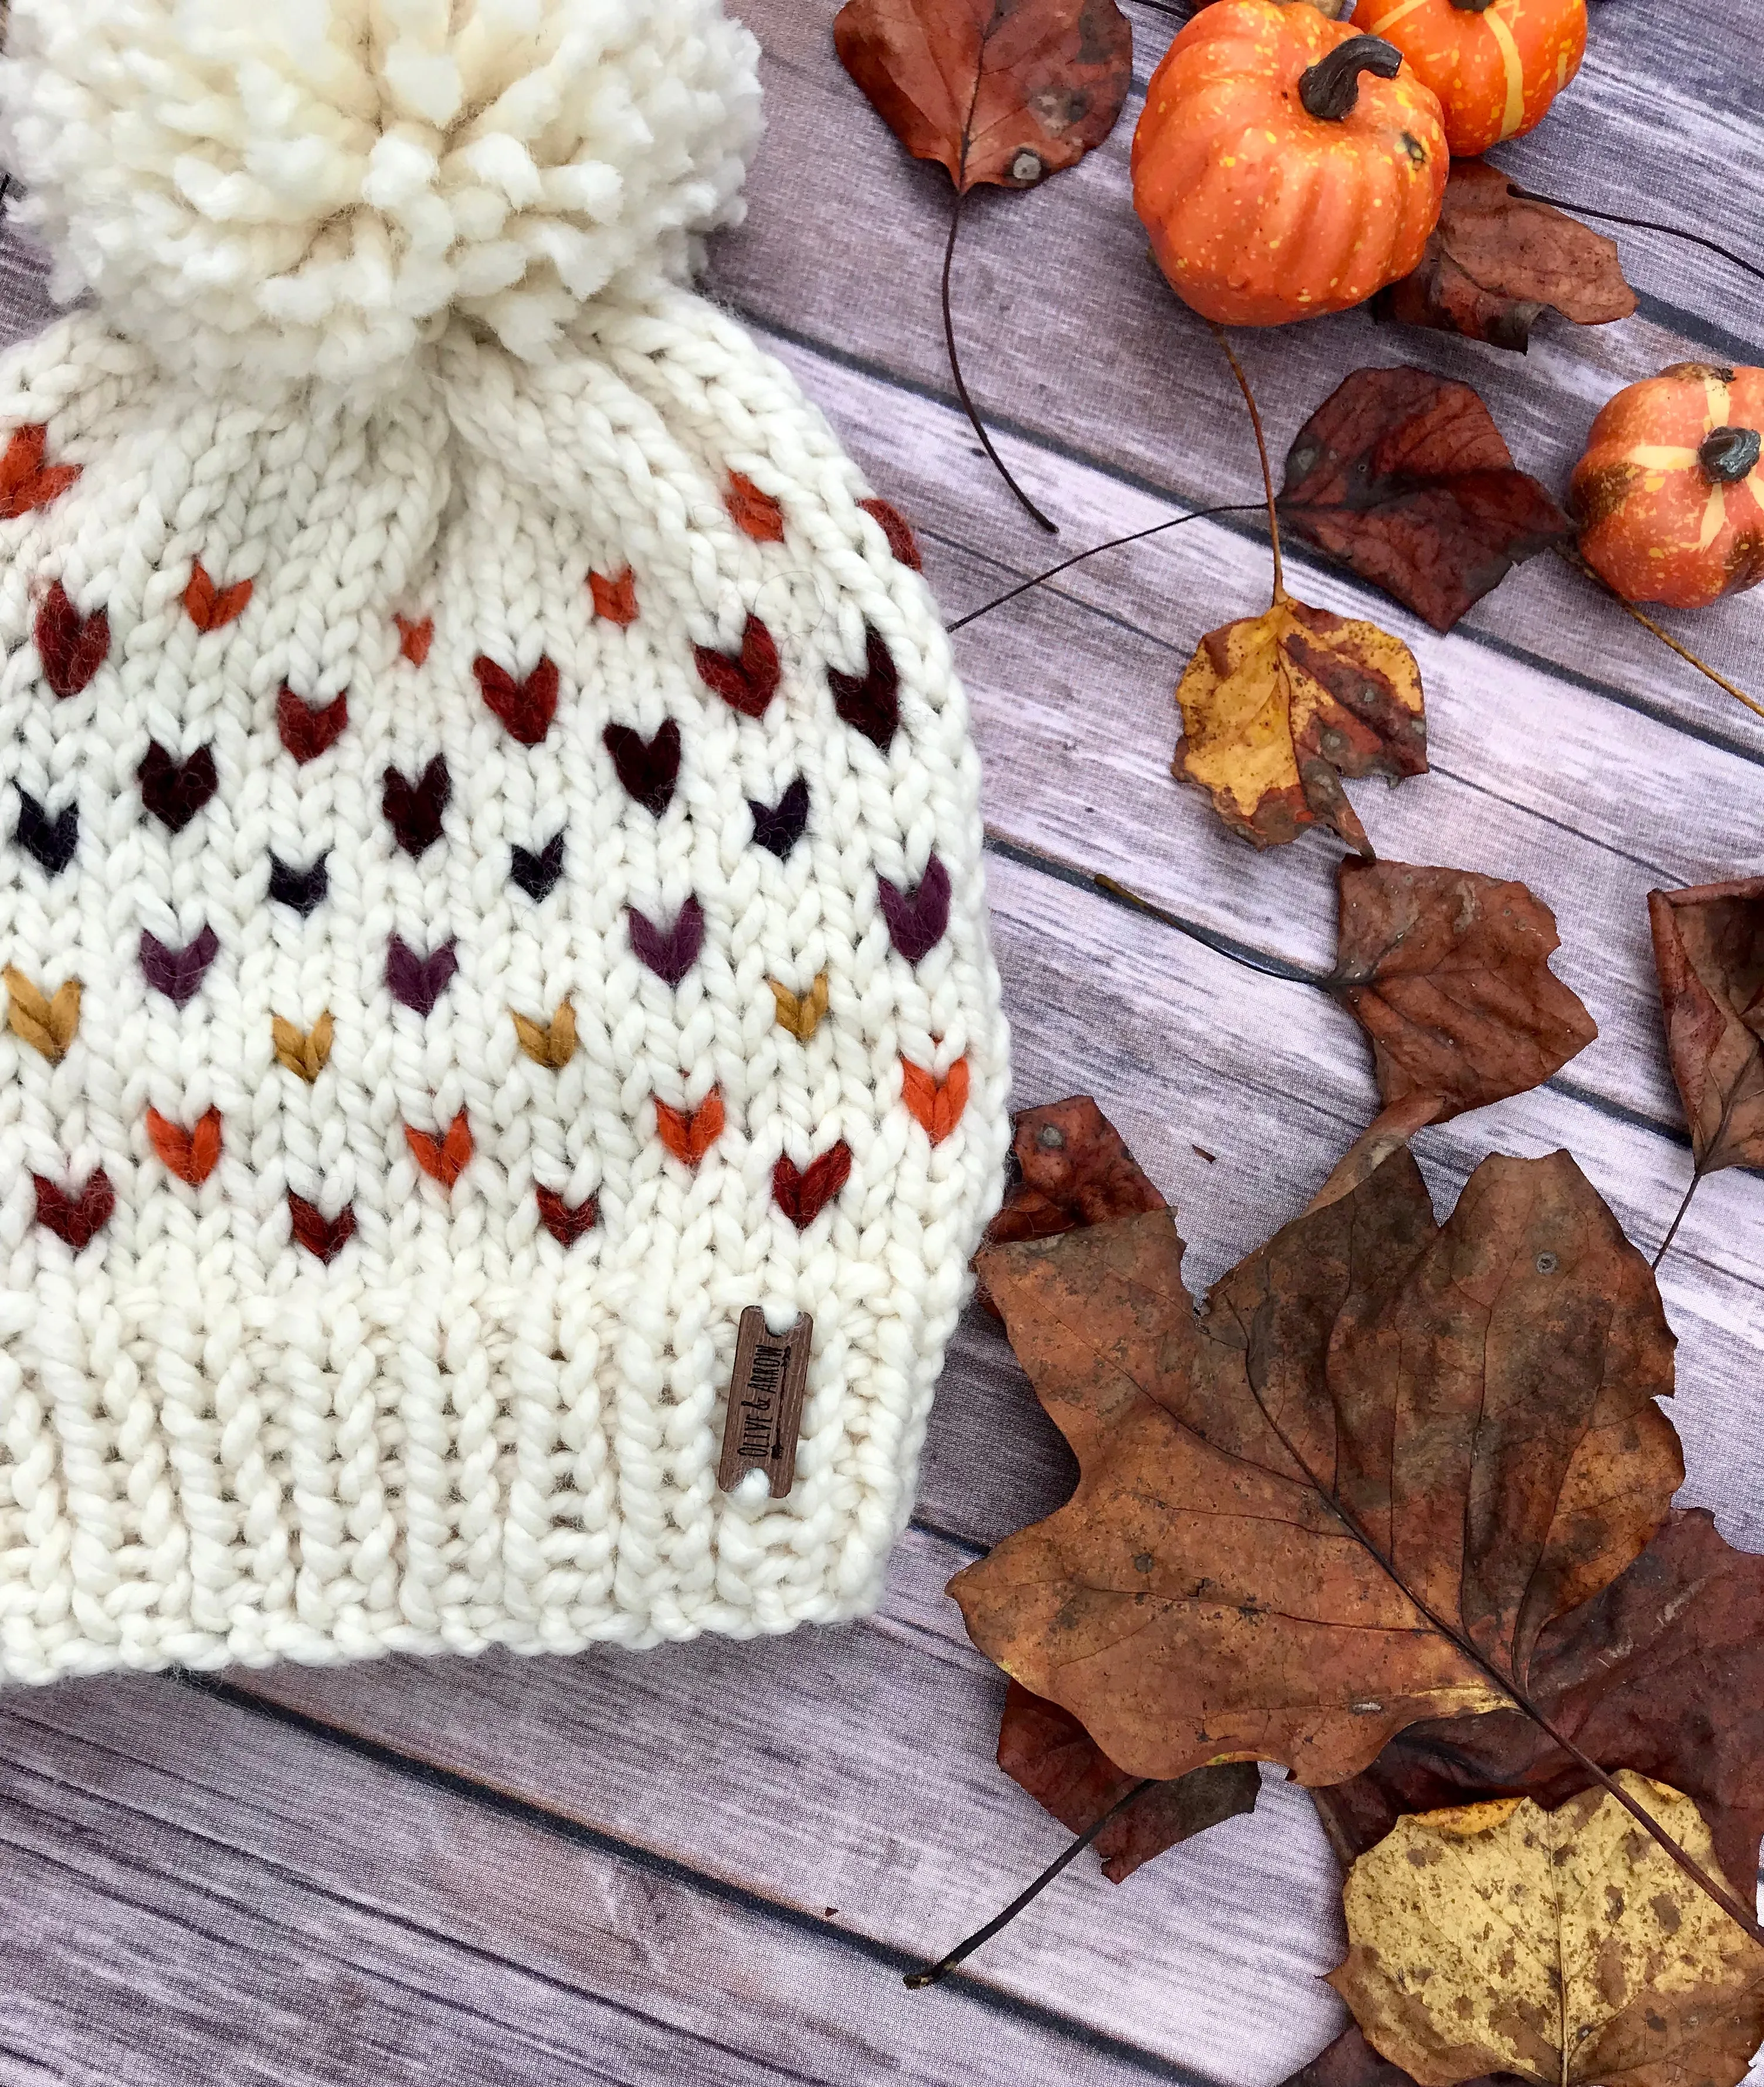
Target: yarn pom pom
{"x":296,"y":188}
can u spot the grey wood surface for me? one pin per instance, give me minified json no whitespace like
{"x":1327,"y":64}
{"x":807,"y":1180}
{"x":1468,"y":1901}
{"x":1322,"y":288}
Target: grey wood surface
{"x":711,"y":1864}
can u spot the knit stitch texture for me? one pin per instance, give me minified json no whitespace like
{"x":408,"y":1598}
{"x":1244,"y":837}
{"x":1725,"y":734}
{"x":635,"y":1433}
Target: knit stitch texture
{"x":493,"y":878}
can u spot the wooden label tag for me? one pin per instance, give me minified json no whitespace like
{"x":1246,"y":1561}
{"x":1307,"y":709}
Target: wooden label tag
{"x":765,"y":1403}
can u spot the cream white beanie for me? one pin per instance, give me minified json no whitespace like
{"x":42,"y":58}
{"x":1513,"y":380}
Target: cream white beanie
{"x":493,"y":884}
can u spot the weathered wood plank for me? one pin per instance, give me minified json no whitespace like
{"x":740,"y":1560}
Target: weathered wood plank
{"x":196,"y":1891}
{"x":1073,"y":337}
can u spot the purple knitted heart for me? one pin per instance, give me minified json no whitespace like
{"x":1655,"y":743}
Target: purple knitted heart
{"x":670,"y":952}
{"x":418,"y":982}
{"x":178,"y":973}
{"x":917,"y":919}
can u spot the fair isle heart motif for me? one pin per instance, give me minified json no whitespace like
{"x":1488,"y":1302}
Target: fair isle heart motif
{"x":935,"y":1105}
{"x":689,"y":1136}
{"x":192,"y":1155}
{"x":648,"y":768}
{"x":525,"y":708}
{"x":418,"y":982}
{"x":211,"y":608}
{"x":178,"y":973}
{"x":669,"y":952}
{"x":777,"y":828}
{"x":755,"y":513}
{"x":326,"y":1237}
{"x":71,"y":646}
{"x":415,"y":637}
{"x":536,"y":874}
{"x":47,"y":1025}
{"x":800,"y":1013}
{"x":75,"y":1220}
{"x":746,"y":680}
{"x":174,"y":791}
{"x":413,"y":810}
{"x":303,"y":890}
{"x":49,"y":840}
{"x":446,"y":1159}
{"x":565,"y":1224}
{"x":803,"y":1196}
{"x":551,"y":1043}
{"x":917,"y":919}
{"x":305,"y":1052}
{"x":899,"y":531}
{"x":616,"y":600}
{"x":307,"y":729}
{"x":27,"y":481}
{"x":870,"y":702}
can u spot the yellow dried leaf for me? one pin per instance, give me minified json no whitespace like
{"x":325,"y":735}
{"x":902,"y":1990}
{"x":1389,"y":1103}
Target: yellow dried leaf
{"x":1277,"y":708}
{"x":551,"y":1043}
{"x":46,"y":1025}
{"x":1566,"y":1946}
{"x":800,"y":1014}
{"x":303,"y":1051}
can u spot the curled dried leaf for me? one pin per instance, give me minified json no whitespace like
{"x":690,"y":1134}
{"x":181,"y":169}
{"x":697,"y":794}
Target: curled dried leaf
{"x":1709,"y":952}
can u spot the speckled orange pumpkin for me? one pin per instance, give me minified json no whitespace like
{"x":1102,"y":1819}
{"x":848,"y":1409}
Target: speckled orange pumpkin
{"x":1670,"y":493}
{"x":1496,"y":65}
{"x":1283,"y":165}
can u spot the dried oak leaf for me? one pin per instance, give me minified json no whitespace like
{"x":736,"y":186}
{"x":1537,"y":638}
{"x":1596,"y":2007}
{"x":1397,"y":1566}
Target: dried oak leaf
{"x":1277,"y":708}
{"x":1070,"y":1167}
{"x":1663,"y":1671}
{"x":1497,"y":262}
{"x":995,"y":91}
{"x":1708,"y":951}
{"x":1404,"y":477}
{"x":1567,"y":1947}
{"x":1048,"y":1752}
{"x":1376,"y":1413}
{"x":1448,"y":973}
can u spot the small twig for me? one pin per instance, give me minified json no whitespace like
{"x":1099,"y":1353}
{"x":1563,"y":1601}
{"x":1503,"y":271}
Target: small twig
{"x":1113,"y":543}
{"x":1027,"y":505}
{"x":1261,"y":450}
{"x":1665,"y":636}
{"x":932,"y":1972}
{"x":1672,"y":1233}
{"x":1640,"y":224}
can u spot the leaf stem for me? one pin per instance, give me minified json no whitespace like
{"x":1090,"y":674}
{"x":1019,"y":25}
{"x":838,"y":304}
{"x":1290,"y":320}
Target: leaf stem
{"x":1029,"y":506}
{"x":1261,"y":450}
{"x":1113,"y":543}
{"x":1672,"y":1232}
{"x":1665,"y":636}
{"x":932,"y":1973}
{"x":1640,"y":224}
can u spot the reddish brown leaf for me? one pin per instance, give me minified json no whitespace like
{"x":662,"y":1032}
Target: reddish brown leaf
{"x":1049,"y":1753}
{"x":1495,"y":262}
{"x":1070,"y":1167}
{"x":1404,"y":477}
{"x":1350,"y":2061}
{"x":998,"y":91}
{"x":1708,"y":951}
{"x":1448,"y":973}
{"x":1277,"y":708}
{"x":1662,"y":1672}
{"x":1391,"y":1451}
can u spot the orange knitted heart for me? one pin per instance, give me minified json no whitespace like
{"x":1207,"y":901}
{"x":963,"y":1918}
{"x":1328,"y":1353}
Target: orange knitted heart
{"x":690,"y":1138}
{"x":443,"y":1159}
{"x":935,"y":1104}
{"x":190,"y":1154}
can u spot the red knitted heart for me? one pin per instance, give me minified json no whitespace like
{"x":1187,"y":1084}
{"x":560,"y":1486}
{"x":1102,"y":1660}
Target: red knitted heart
{"x":327,"y":1237}
{"x":616,"y":599}
{"x":75,"y":1220}
{"x":565,"y":1225}
{"x":414,"y":638}
{"x":211,"y":608}
{"x":26,"y":481}
{"x":746,"y":682}
{"x":443,"y":1159}
{"x":525,"y":707}
{"x":802,"y":1197}
{"x":71,"y":646}
{"x":308,"y":732}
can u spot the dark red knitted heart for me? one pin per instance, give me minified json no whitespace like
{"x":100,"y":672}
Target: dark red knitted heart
{"x":309,"y":730}
{"x":71,"y":646}
{"x":327,"y":1237}
{"x":525,"y":707}
{"x":803,"y":1196}
{"x":565,"y":1225}
{"x":648,"y":768}
{"x":747,"y":680}
{"x":899,"y":531}
{"x":176,"y":791}
{"x":870,"y":702}
{"x":413,"y":810}
{"x":75,"y":1220}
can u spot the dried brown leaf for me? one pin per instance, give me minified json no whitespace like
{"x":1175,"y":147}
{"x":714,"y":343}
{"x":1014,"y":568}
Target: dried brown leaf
{"x":1708,"y":951}
{"x":1278,"y":708}
{"x":1005,"y":92}
{"x":1497,"y":262}
{"x":1350,"y":2061}
{"x":1448,"y":974}
{"x":1390,"y":1452}
{"x":1404,"y":477}
{"x":1566,"y":1946}
{"x":1048,"y":1752}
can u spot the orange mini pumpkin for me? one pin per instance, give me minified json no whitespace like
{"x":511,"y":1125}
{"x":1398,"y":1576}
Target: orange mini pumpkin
{"x":1496,"y":65}
{"x":1283,"y":165}
{"x":1670,"y":493}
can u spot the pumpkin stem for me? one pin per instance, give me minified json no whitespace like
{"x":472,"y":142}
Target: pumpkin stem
{"x":1331,"y":89}
{"x":1472,"y":7}
{"x":1261,"y":445}
{"x":1730,"y":454}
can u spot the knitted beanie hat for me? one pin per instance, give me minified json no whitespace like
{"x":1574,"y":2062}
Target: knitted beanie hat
{"x":499,"y":1004}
